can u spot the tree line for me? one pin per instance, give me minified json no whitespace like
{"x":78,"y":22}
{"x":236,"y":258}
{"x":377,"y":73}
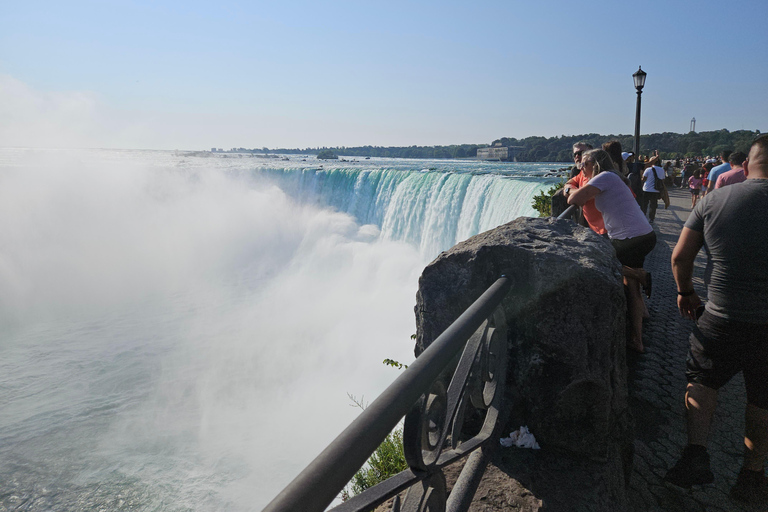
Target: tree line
{"x":670,"y":145}
{"x":453,"y":151}
{"x":552,"y":149}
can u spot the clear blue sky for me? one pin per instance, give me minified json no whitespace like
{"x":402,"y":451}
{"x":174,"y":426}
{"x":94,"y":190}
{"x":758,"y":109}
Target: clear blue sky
{"x":194,"y":75}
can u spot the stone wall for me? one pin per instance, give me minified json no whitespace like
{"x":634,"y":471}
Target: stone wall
{"x":566,"y":315}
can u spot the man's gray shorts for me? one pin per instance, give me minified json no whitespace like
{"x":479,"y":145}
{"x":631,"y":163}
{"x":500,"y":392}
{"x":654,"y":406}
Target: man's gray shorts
{"x":721,"y":348}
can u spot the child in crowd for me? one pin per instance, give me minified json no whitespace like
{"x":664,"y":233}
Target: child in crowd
{"x":695,"y":183}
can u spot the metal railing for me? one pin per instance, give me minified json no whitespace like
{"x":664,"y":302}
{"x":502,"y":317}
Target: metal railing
{"x":568,"y":213}
{"x":434,"y":432}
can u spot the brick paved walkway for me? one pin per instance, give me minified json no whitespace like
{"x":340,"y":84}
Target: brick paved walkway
{"x":657,"y":384}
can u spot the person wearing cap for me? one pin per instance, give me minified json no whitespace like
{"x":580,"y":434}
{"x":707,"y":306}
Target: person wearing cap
{"x":718,"y":170}
{"x":651,"y":193}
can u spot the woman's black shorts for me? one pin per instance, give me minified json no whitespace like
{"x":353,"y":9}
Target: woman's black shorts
{"x":632,"y":251}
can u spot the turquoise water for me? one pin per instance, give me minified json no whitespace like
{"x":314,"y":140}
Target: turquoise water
{"x":432,"y":205}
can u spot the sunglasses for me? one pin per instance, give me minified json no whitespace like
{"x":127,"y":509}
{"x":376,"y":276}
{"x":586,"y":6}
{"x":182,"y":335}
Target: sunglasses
{"x":577,"y":154}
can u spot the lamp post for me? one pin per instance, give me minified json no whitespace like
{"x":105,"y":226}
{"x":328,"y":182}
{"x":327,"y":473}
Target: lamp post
{"x":639,"y":78}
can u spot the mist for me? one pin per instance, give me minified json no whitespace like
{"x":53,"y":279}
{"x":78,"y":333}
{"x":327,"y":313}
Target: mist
{"x":181,"y":333}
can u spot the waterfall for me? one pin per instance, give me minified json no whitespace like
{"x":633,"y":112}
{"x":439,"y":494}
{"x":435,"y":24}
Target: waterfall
{"x":430,"y":209}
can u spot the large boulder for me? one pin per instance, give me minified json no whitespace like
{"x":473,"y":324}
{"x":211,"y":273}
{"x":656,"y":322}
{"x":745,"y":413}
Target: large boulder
{"x":566,"y":317}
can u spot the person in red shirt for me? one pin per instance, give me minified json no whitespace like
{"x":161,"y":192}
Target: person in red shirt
{"x":591,"y":214}
{"x":736,"y":174}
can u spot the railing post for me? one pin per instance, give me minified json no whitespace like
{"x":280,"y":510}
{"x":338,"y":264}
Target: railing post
{"x":568,"y":212}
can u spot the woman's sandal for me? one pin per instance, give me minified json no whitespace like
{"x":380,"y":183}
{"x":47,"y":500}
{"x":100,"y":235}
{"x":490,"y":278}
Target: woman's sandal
{"x":647,"y":285}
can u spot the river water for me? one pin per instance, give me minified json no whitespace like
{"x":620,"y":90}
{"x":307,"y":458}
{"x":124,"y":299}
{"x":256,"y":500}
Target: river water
{"x":180,"y":331}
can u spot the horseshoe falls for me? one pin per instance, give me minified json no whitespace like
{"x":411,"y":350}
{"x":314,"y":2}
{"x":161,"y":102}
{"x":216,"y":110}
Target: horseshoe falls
{"x":430,"y":209}
{"x":181,"y":331}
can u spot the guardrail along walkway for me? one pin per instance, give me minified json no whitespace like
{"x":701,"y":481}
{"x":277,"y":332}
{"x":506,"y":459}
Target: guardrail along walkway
{"x":657,"y":384}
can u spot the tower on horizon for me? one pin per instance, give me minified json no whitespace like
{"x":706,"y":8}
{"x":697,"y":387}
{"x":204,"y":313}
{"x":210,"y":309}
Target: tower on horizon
{"x":693,"y":125}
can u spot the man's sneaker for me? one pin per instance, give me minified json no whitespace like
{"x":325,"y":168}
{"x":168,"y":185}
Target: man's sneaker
{"x":691,"y":469}
{"x":751,"y":487}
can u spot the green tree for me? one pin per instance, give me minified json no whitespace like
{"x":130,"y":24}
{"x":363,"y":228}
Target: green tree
{"x":542,"y":202}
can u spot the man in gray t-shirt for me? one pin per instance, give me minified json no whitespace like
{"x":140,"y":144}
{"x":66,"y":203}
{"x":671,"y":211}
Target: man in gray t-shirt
{"x":732,"y":334}
{"x":734,"y":225}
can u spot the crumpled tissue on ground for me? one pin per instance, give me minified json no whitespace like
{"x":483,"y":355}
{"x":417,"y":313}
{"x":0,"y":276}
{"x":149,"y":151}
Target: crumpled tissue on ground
{"x":521,"y":438}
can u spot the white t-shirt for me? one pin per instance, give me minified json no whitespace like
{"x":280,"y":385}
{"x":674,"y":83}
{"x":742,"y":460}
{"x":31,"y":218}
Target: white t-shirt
{"x":621,"y":214}
{"x":649,"y":185}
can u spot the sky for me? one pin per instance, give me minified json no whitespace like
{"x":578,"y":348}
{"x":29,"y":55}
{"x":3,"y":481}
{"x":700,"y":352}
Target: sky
{"x":195,"y":75}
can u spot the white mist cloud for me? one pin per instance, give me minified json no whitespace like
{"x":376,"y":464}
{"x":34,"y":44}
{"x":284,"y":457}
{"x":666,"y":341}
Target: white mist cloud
{"x":32,"y":118}
{"x":35,"y":118}
{"x":215,"y":324}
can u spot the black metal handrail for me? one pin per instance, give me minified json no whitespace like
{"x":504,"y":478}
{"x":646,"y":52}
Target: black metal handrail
{"x":569,"y":212}
{"x":434,"y":421}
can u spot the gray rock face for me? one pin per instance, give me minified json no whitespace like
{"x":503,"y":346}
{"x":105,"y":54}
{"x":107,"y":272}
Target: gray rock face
{"x":566,"y":313}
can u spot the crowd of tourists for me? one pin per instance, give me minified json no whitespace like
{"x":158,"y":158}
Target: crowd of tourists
{"x":704,"y":176}
{"x":731,"y":331}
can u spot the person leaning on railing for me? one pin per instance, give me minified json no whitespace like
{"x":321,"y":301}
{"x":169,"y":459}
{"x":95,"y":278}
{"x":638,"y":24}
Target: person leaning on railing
{"x":593,"y":217}
{"x":630,"y":233}
{"x":579,"y":217}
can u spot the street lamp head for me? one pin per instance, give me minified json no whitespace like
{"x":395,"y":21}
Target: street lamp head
{"x":639,"y":78}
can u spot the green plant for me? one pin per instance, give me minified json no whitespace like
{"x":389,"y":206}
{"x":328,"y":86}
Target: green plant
{"x":395,"y":364}
{"x":387,"y":461}
{"x":542,"y":202}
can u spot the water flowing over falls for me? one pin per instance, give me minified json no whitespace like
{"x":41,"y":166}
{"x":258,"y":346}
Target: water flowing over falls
{"x":429,"y":209}
{"x":180,"y":331}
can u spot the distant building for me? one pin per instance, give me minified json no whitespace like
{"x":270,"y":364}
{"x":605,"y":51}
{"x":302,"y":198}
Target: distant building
{"x":499,"y":153}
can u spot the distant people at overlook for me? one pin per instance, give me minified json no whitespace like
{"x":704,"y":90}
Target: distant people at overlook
{"x":705,"y":175}
{"x":688,"y":167}
{"x":718,"y":170}
{"x":669,"y":171}
{"x":635,"y":176}
{"x":694,"y":182}
{"x":651,"y":186}
{"x":613,"y":148}
{"x":736,"y":174}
